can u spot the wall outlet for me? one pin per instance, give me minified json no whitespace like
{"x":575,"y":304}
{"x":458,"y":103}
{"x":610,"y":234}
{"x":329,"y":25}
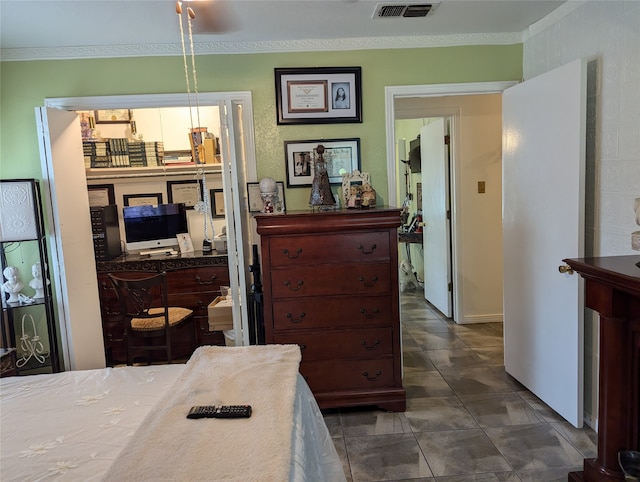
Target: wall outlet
{"x":481,"y":187}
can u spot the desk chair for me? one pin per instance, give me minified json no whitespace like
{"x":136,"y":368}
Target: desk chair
{"x":145,"y":311}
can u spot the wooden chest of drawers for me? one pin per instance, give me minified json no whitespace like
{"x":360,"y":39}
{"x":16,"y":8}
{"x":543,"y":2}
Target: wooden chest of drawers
{"x":331,"y":286}
{"x":193,"y":282}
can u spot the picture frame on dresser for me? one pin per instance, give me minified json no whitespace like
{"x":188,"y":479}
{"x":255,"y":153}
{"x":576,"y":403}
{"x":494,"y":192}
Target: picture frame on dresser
{"x":341,"y":156}
{"x":255,"y":200}
{"x":318,"y":95}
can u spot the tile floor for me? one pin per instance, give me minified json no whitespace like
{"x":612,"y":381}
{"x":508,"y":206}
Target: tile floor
{"x":466,"y":418}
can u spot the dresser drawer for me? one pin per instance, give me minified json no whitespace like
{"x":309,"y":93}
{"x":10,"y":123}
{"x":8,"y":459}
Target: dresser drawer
{"x":203,"y":278}
{"x":329,"y":248}
{"x":197,"y":302}
{"x":365,"y":343}
{"x":367,"y":279}
{"x":331,"y":312}
{"x":335,"y":375}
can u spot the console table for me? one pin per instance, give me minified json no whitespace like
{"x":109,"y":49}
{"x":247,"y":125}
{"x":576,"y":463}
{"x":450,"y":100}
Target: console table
{"x":612,"y":288}
{"x":193,"y":282}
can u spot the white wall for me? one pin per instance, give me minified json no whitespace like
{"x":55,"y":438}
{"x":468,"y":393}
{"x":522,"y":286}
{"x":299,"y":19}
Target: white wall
{"x":478,"y":157}
{"x":607,"y":34}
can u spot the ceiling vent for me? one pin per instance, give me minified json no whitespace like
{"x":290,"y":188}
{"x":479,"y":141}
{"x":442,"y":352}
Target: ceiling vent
{"x":407,"y":10}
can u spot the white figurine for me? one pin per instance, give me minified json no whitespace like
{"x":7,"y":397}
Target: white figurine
{"x":37,"y":283}
{"x":13,"y":285}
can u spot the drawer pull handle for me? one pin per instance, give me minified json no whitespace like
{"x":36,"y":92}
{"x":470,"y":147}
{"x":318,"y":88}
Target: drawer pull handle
{"x":290,"y":316}
{"x":302,"y":346}
{"x":370,"y":347}
{"x":204,"y":329}
{"x":372,"y":378}
{"x":112,"y":339}
{"x":373,"y":248}
{"x":368,"y":285}
{"x":288,"y":285}
{"x":370,"y":315}
{"x":297,"y":255}
{"x":200,"y":282}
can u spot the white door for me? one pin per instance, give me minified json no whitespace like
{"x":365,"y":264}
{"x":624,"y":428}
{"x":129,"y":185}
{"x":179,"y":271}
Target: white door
{"x":543,"y":222}
{"x":70,"y":235}
{"x":436,"y":237}
{"x":232,"y":123}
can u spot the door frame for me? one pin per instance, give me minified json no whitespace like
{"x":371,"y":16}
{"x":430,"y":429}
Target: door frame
{"x":139,"y":101}
{"x":437,"y":90}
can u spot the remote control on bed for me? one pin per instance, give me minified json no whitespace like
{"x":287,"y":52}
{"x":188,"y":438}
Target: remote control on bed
{"x":220,"y":411}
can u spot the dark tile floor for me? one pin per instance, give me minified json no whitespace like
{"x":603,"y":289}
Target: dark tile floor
{"x":466,"y":418}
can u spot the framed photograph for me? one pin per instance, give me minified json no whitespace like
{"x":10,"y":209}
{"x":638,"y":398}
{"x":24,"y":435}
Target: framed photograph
{"x":187,"y":192}
{"x":341,"y":155}
{"x":217,"y":202}
{"x":142,"y":199}
{"x":320,"y":95}
{"x":255,"y":201}
{"x":112,"y":116}
{"x":185,"y":243}
{"x":101,"y":194}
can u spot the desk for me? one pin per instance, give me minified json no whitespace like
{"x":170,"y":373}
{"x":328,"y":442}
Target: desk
{"x":193,"y":281}
{"x":413,"y":238}
{"x":612,"y":288}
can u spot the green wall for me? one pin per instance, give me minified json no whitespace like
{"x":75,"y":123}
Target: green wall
{"x":25,"y":85}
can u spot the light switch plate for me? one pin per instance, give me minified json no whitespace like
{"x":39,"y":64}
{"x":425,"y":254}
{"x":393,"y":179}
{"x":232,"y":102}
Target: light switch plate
{"x":481,"y":187}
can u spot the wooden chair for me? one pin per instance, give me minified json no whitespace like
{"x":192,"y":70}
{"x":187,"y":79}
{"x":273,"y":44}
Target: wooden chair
{"x":146,"y":312}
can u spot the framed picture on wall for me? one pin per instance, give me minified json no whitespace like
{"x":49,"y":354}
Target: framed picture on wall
{"x":112,"y":116}
{"x":217,"y":203}
{"x":186,"y":192}
{"x":319,"y":95}
{"x":341,"y":155}
{"x":142,"y":199}
{"x":101,"y":194}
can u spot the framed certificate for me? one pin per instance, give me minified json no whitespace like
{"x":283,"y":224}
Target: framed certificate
{"x":322,"y":95}
{"x":186,"y":192}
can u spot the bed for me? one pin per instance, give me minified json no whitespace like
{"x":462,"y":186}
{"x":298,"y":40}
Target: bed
{"x":130,"y":423}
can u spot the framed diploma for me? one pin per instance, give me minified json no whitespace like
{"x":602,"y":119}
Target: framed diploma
{"x":186,"y":192}
{"x":112,"y":116}
{"x":322,"y":95}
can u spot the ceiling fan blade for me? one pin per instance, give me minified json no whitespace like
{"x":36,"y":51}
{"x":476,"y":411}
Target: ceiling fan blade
{"x":214,"y":17}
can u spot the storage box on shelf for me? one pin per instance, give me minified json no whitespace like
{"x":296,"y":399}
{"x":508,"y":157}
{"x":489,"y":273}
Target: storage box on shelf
{"x":331,"y":286}
{"x":193,"y":282}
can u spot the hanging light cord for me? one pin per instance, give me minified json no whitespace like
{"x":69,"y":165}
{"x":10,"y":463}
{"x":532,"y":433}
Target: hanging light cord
{"x":203,"y":200}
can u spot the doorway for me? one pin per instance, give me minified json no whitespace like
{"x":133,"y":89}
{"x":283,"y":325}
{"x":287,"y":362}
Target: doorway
{"x":63,"y":172}
{"x":476,"y":278}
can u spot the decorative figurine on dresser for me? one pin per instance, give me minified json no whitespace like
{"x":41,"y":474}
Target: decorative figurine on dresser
{"x":331,"y":286}
{"x":321,"y":195}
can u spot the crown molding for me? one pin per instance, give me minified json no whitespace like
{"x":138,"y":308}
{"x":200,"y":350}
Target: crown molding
{"x":157,"y":50}
{"x":552,"y":18}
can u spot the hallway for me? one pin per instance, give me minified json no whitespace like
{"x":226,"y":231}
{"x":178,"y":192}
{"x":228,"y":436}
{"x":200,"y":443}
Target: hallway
{"x":466,"y":418}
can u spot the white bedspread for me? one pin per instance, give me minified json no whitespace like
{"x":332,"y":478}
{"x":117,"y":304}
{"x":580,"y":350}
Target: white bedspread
{"x":73,"y":425}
